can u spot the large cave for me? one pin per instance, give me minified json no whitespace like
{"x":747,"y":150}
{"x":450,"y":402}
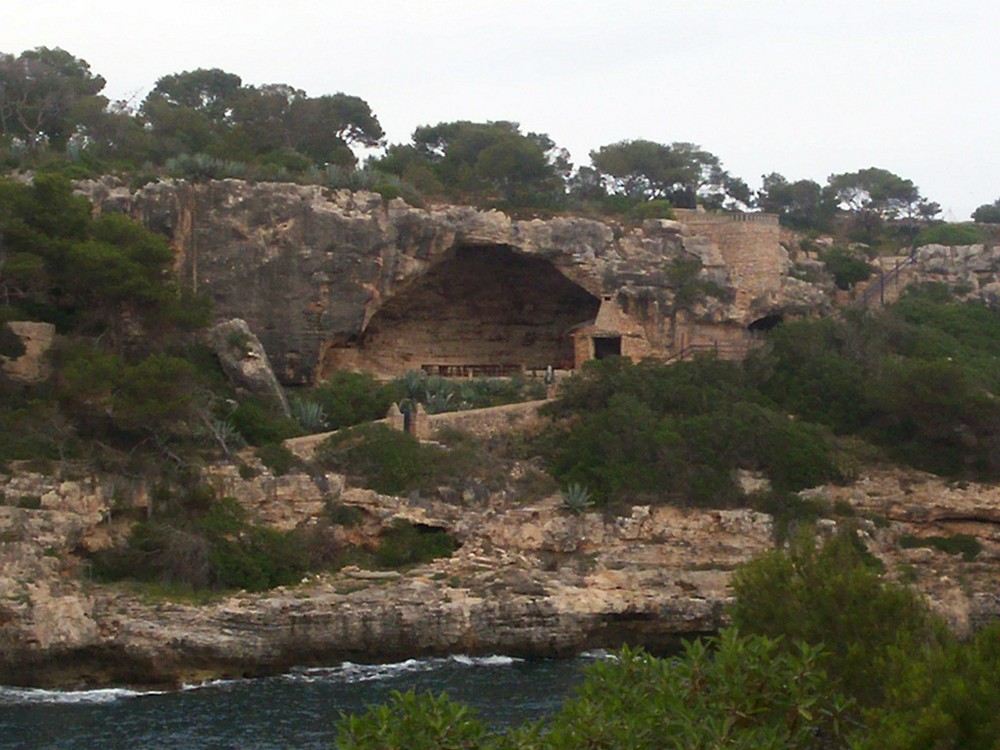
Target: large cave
{"x":483,"y":310}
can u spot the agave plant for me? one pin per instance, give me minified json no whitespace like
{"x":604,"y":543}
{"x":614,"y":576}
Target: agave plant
{"x":309,"y":414}
{"x":576,"y":499}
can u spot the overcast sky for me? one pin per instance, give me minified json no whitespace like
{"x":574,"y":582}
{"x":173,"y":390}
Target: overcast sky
{"x":807,"y":88}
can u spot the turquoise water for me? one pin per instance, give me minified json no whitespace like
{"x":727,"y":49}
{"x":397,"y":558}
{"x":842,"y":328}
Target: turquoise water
{"x":297,"y":710}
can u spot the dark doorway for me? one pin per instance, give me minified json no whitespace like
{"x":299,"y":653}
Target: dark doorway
{"x":607,"y":346}
{"x":766,"y":323}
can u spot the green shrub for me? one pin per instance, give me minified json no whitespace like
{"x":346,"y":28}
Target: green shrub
{"x":788,"y":511}
{"x":834,"y":596}
{"x":198,"y":541}
{"x":965,"y":545}
{"x":935,"y":415}
{"x":847,"y":266}
{"x":383,"y":459}
{"x":405,"y":544}
{"x":730,"y":691}
{"x":950,"y":234}
{"x":31,"y":502}
{"x":676,"y":434}
{"x":350,"y":398}
{"x":654,"y":209}
{"x":278,"y":458}
{"x":344,"y":515}
{"x":260,"y":423}
{"x":246,"y":471}
{"x":411,"y":721}
{"x":259,"y":559}
{"x":947,"y":699}
{"x":915,"y":378}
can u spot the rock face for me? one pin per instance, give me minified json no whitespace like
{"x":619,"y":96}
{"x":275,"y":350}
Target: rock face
{"x":36,"y":340}
{"x":335,"y":279}
{"x":529,"y":579}
{"x":244,"y":360}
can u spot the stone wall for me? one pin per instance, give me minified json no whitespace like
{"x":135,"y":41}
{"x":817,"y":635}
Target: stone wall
{"x":751,"y":250}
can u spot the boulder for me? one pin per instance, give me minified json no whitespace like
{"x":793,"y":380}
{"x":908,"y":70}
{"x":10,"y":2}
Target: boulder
{"x":245,"y":362}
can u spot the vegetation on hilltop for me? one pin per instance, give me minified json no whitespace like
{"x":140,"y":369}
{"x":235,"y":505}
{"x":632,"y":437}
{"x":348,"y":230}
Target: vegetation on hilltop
{"x":207,"y":123}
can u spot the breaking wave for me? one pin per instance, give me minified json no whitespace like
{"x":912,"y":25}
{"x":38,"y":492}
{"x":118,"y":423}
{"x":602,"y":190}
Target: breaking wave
{"x":9,"y":695}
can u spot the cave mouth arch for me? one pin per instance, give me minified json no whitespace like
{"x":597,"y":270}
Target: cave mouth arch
{"x":483,"y":310}
{"x":767,"y":323}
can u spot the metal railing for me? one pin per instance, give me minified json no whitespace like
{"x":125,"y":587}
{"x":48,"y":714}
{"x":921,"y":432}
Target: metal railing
{"x":885,"y":280}
{"x":723,"y":351}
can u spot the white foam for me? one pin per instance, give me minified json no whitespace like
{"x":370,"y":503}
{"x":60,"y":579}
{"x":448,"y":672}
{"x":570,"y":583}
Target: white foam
{"x":485,"y":661}
{"x":599,"y":654}
{"x":39,"y":695}
{"x":351,"y":672}
{"x":348,"y":672}
{"x":221,"y":682}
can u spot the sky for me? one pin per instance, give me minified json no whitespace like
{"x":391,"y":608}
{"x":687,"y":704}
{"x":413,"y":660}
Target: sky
{"x":807,"y":88}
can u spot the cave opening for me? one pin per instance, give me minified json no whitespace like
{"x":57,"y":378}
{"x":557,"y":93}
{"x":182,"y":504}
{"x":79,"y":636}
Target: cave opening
{"x":766,"y":323}
{"x":484,"y":310}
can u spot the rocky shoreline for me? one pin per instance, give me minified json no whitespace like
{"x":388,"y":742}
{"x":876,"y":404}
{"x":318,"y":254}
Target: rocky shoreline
{"x":528,"y":579}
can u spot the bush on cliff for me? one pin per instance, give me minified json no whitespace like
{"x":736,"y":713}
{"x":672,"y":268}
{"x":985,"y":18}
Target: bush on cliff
{"x":404,"y":544}
{"x":383,"y":459}
{"x":730,"y":691}
{"x":834,"y":595}
{"x":394,"y":462}
{"x":259,"y":422}
{"x":123,"y":383}
{"x":917,"y":378}
{"x":655,"y":433}
{"x":204,"y":542}
{"x":350,"y":398}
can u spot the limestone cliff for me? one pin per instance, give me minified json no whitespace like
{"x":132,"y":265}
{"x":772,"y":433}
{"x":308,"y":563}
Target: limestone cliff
{"x":330,"y":279}
{"x":529,"y":578}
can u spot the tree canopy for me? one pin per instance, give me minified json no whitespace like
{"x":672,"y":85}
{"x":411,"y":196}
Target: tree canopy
{"x":208,"y":123}
{"x":489,"y":160}
{"x":680,"y":172}
{"x":211,"y":111}
{"x":988,"y":213}
{"x":43,"y":93}
{"x":106,"y":284}
{"x":802,"y":204}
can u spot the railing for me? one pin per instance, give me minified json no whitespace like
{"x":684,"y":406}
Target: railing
{"x":877,"y":288}
{"x":723,"y":351}
{"x":692,"y":216}
{"x":471,"y":371}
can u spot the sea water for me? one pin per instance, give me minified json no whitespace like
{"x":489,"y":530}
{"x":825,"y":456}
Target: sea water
{"x":298,"y":710}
